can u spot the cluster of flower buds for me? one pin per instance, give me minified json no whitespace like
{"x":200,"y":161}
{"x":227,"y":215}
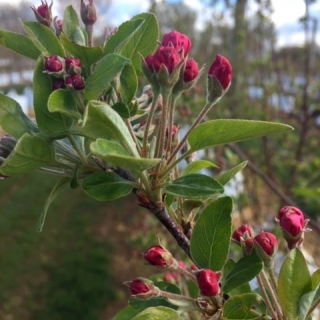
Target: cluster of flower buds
{"x":293,"y":225}
{"x":66,"y":72}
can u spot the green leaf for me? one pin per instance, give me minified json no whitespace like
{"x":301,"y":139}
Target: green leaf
{"x":70,"y":22}
{"x":101,"y":121}
{"x":105,"y":186}
{"x":62,"y":101}
{"x":140,"y":305}
{"x":196,"y":166}
{"x":210,"y":240}
{"x":226,"y":176}
{"x":315,"y":278}
{"x":51,"y":124}
{"x":105,"y":71}
{"x":157,"y":313}
{"x":244,"y":271}
{"x":12,"y":119}
{"x":19,"y":43}
{"x":125,"y":314}
{"x":142,"y":39}
{"x":58,"y":188}
{"x":44,"y":39}
{"x":193,"y":186}
{"x":294,"y":281}
{"x":240,"y":307}
{"x":128,"y":83}
{"x":121,"y":109}
{"x":307,"y":301}
{"x":114,"y":154}
{"x":30,"y":152}
{"x":88,"y":55}
{"x":216,"y":132}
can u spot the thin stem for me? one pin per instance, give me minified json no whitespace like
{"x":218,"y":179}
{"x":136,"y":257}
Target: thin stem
{"x":273,"y":279}
{"x":203,"y":112}
{"x":133,"y":136}
{"x":89,"y":29}
{"x":170,"y":125}
{"x":266,"y":298}
{"x":149,"y":121}
{"x":274,"y":298}
{"x":187,"y":274}
{"x":176,"y":296}
{"x":77,"y":148}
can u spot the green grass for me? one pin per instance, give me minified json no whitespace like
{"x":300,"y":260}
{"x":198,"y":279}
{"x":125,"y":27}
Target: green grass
{"x":60,"y":273}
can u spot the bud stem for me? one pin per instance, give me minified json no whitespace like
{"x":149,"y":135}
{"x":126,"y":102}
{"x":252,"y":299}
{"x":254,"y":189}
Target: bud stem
{"x":175,"y":296}
{"x":170,"y":124}
{"x":187,"y":274}
{"x":89,"y":29}
{"x":77,"y":148}
{"x":133,"y":136}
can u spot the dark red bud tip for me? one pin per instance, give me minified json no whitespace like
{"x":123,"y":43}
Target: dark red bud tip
{"x":191,"y":71}
{"x":222,"y":70}
{"x":58,"y":84}
{"x":158,"y":256}
{"x":167,"y":56}
{"x":75,"y":81}
{"x":138,"y":286}
{"x":238,"y":233}
{"x":267,"y":241}
{"x":288,"y":210}
{"x":72,"y":64}
{"x":178,"y":40}
{"x":208,"y":282}
{"x":53,"y":64}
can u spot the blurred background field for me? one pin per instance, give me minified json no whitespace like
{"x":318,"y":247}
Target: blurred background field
{"x":74,"y":269}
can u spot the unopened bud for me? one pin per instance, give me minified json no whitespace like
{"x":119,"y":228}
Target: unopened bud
{"x":73,"y":66}
{"x":88,"y":13}
{"x":75,"y":81}
{"x":54,"y":64}
{"x":178,"y":40}
{"x":208,"y":282}
{"x":43,"y":13}
{"x":159,"y":257}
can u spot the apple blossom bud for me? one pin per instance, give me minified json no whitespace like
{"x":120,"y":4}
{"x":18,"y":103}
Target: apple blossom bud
{"x":57,"y":25}
{"x":138,"y":286}
{"x":208,"y":282}
{"x":149,"y":61}
{"x":178,"y":40}
{"x":88,"y":13}
{"x":267,"y":242}
{"x":75,"y":81}
{"x":43,"y":13}
{"x":238,"y":233}
{"x":293,"y":224}
{"x":191,"y":71}
{"x":166,"y":56}
{"x":58,"y":84}
{"x":221,"y":70}
{"x":290,"y":210}
{"x":159,"y":257}
{"x":171,"y":277}
{"x":142,"y":288}
{"x":53,"y":64}
{"x":73,"y":66}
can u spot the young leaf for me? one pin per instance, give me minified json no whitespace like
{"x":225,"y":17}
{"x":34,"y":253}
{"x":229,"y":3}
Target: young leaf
{"x":210,"y":240}
{"x":196,"y":166}
{"x":240,"y":307}
{"x":70,"y":22}
{"x":101,"y":121}
{"x":128,"y":83}
{"x":193,"y":186}
{"x":157,"y":313}
{"x":105,"y":186}
{"x":307,"y":301}
{"x":19,"y":43}
{"x":315,"y":278}
{"x":13,"y":120}
{"x":50,"y":124}
{"x":30,"y":152}
{"x":58,"y":188}
{"x":216,"y":132}
{"x":115,"y":155}
{"x":126,"y":313}
{"x":294,"y":281}
{"x":62,"y":101}
{"x":244,"y":271}
{"x":226,"y":176}
{"x":121,"y":109}
{"x":44,"y":39}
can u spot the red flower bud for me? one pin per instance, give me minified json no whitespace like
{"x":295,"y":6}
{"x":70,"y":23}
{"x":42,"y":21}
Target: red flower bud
{"x":267,"y":241}
{"x":293,"y":224}
{"x":138,"y":286}
{"x":289,"y":210}
{"x":75,"y":81}
{"x":208,"y":282}
{"x":167,"y":56}
{"x":191,"y":71}
{"x":158,"y":256}
{"x":58,"y":84}
{"x":149,"y":61}
{"x":237,"y":234}
{"x":53,"y":64}
{"x":222,"y":70}
{"x":88,"y":13}
{"x":178,"y":41}
{"x":43,"y":13}
{"x":73,"y":65}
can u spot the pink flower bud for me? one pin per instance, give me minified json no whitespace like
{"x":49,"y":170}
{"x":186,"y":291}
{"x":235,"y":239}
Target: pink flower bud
{"x":237,"y":234}
{"x":289,"y":210}
{"x":191,"y":71}
{"x":293,"y":224}
{"x":208,"y":282}
{"x":43,"y":13}
{"x":138,"y":286}
{"x":53,"y":64}
{"x":268,"y":242}
{"x":221,"y":70}
{"x":149,"y":61}
{"x":73,"y":65}
{"x":167,"y":56}
{"x":75,"y":81}
{"x":178,"y":41}
{"x":158,"y":256}
{"x":58,"y":84}
{"x":88,"y":13}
